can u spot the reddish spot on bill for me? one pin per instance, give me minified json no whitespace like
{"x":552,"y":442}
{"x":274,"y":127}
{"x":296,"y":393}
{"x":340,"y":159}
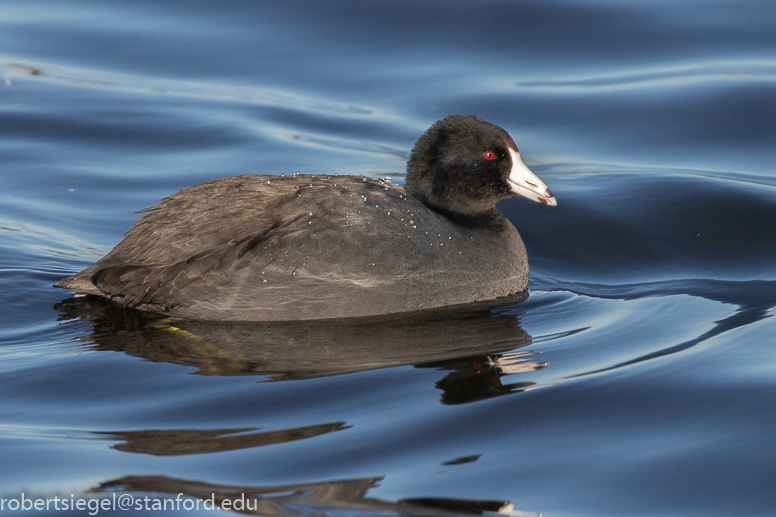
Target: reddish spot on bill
{"x":511,"y":144}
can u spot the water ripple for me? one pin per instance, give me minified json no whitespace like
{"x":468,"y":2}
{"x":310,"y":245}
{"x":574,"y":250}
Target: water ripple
{"x":352,"y":145}
{"x":755,"y":300}
{"x":718,"y":72}
{"x":12,"y":69}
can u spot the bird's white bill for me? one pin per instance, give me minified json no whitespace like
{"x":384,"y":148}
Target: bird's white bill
{"x":525,"y":183}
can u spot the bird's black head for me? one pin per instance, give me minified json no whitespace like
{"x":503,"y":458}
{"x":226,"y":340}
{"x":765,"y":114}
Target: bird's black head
{"x":463,"y":165}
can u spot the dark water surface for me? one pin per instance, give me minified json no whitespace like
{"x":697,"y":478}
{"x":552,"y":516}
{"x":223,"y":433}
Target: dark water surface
{"x":638,"y":378}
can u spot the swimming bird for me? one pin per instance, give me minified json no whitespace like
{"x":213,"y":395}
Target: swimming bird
{"x":266,"y":248}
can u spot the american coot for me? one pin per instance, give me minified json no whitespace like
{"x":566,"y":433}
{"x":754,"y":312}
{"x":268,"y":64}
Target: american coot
{"x":264,"y":248}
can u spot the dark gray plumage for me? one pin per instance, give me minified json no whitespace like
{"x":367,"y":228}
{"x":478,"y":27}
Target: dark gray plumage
{"x":264,"y":248}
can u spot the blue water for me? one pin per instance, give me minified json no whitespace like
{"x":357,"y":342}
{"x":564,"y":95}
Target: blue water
{"x":638,"y":378}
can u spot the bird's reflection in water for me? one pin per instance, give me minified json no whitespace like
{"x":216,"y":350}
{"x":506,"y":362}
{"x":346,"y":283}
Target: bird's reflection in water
{"x":179,"y":442}
{"x":479,"y":377}
{"x":474,"y":344}
{"x":472,"y":347}
{"x":330,"y":498}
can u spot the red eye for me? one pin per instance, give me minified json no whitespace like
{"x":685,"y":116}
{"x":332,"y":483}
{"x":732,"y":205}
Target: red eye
{"x":489,"y":155}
